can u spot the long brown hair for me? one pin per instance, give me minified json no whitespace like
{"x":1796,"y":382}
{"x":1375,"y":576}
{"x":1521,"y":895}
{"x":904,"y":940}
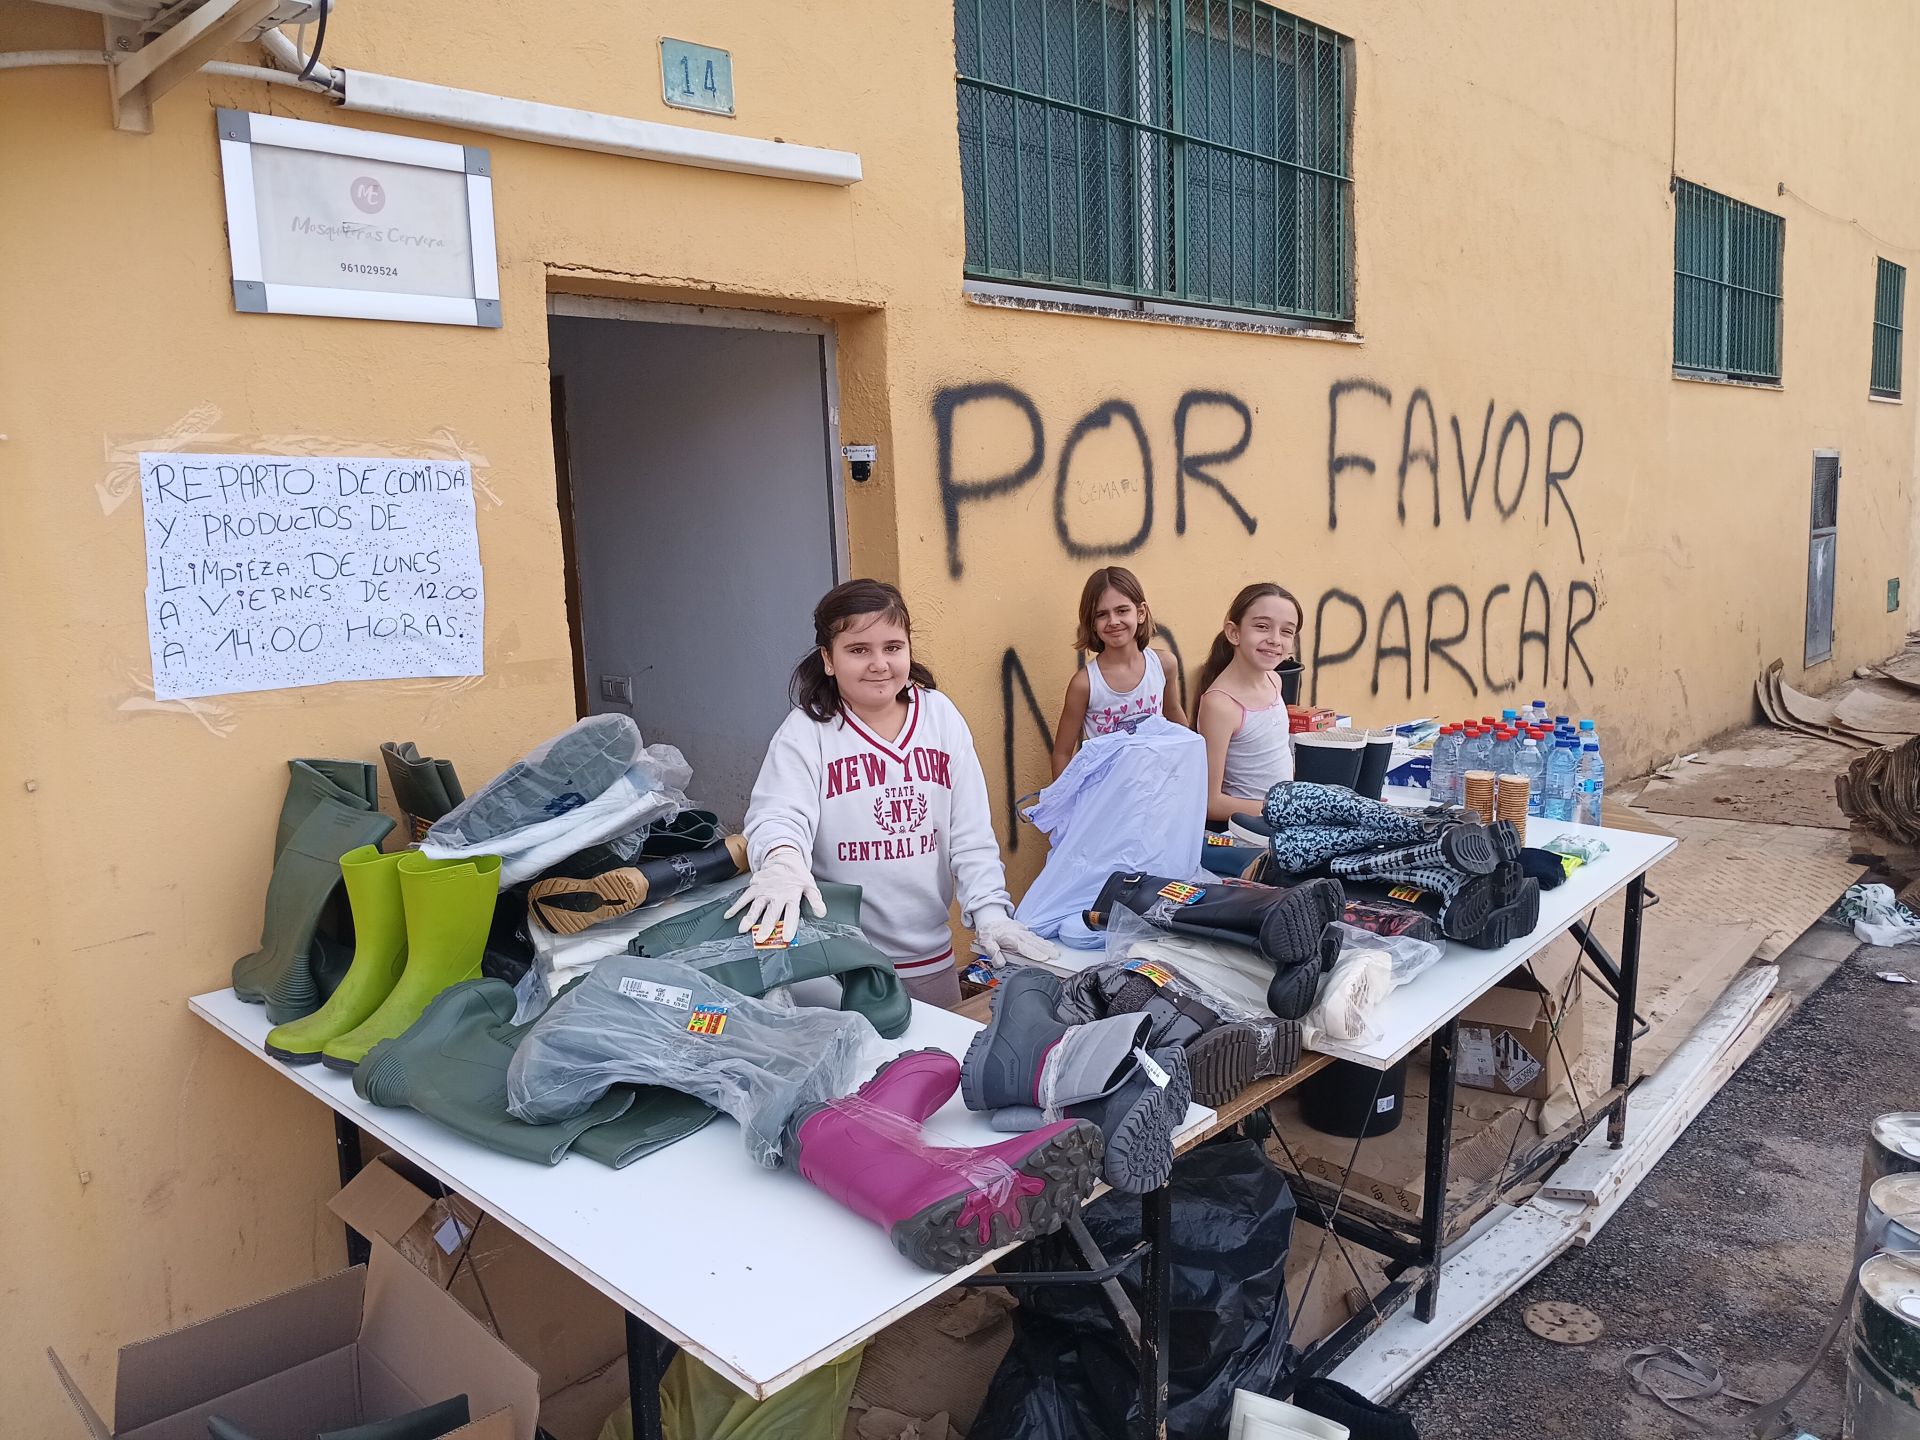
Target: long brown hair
{"x":1111,"y":577}
{"x":1221,"y":655}
{"x":812,"y":689}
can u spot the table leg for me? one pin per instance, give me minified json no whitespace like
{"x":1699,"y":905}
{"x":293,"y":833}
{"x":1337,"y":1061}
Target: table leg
{"x":1433,"y":1204}
{"x":346,"y":1146}
{"x":647,"y":1354}
{"x":1623,"y":1012}
{"x":1156,"y":1312}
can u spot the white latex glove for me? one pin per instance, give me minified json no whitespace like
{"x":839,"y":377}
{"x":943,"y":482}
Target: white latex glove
{"x":1000,"y":937}
{"x":772,"y":897}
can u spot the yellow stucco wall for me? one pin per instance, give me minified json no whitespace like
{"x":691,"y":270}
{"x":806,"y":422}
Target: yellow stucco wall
{"x":1514,"y":251}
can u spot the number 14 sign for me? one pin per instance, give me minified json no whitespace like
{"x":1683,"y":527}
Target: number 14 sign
{"x":696,"y":77}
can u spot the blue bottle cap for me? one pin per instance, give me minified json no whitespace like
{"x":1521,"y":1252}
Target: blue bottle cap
{"x":1586,"y":724}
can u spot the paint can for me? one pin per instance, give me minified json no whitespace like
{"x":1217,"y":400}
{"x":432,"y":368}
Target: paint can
{"x":1892,"y":1215}
{"x":1329,"y":757}
{"x":1893,"y":1148}
{"x":1374,"y":764}
{"x":1883,"y":1356}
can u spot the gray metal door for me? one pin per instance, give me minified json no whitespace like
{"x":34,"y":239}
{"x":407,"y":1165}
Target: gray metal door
{"x":705,"y":525}
{"x":1820,"y":555}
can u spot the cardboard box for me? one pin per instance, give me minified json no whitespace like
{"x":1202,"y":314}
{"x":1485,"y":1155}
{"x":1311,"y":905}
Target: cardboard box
{"x":564,"y":1328}
{"x":365,"y":1344}
{"x":1301,"y":718}
{"x":1507,"y":1036}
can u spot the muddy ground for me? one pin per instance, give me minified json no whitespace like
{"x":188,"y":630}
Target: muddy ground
{"x":1734,"y":1249}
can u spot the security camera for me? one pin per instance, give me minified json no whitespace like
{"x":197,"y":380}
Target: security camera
{"x":859,"y":460}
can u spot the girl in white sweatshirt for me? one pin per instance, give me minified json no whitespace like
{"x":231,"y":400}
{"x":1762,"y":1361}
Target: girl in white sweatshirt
{"x":872,"y":780}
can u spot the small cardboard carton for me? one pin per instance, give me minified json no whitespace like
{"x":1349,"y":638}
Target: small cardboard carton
{"x":365,"y":1344}
{"x":543,"y":1312}
{"x":1507,"y":1037}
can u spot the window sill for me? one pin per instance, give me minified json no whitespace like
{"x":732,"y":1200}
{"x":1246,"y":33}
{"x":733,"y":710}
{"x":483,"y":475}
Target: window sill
{"x":1700,"y":378}
{"x":1153,"y":313}
{"x":1885,"y":399}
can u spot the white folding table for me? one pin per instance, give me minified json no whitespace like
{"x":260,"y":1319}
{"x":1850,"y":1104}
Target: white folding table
{"x":755,"y":1272}
{"x":1428,"y":1010}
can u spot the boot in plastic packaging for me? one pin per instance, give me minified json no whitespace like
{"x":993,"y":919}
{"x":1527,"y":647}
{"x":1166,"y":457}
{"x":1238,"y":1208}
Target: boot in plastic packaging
{"x":832,"y":946}
{"x":658,"y":1022}
{"x":696,"y":1404}
{"x":1069,"y":1376}
{"x":589,"y":783}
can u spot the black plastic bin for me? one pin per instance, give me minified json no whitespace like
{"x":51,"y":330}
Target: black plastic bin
{"x":1352,"y":1101}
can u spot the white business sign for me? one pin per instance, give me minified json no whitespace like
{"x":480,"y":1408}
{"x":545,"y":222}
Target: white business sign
{"x":270,"y":571}
{"x":323,"y":220}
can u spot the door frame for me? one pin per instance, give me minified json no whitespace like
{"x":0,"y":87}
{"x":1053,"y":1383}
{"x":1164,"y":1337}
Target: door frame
{"x":660,"y":312}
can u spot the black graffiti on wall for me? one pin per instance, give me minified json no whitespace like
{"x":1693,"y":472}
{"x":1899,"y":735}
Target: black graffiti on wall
{"x":1201,"y":418}
{"x":1420,"y":450}
{"x":1510,"y":629}
{"x":1478,"y":473}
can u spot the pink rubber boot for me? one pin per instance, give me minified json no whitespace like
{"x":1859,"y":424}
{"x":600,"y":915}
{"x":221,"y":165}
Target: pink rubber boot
{"x":943,"y":1206}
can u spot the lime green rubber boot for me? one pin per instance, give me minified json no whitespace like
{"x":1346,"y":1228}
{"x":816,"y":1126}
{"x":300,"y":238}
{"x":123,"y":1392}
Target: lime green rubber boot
{"x":449,"y":908}
{"x":379,"y":953}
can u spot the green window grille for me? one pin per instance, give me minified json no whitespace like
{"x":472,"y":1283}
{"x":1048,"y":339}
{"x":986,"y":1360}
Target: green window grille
{"x":1726,"y":285}
{"x":1889,"y":300}
{"x":1194,"y":151}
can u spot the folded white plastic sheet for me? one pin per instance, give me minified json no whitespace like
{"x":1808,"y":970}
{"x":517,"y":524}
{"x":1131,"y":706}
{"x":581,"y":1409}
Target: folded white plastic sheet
{"x":1128,"y":801}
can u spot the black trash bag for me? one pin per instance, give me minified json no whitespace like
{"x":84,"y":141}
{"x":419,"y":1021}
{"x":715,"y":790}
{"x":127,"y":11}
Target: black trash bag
{"x":1068,"y":1375}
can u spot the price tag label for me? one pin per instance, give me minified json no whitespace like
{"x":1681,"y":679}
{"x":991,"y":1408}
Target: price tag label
{"x":674,"y":997}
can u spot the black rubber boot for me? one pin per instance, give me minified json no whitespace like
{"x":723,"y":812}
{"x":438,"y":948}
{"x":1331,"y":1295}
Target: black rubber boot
{"x":1224,"y":1055}
{"x":1287,"y":926}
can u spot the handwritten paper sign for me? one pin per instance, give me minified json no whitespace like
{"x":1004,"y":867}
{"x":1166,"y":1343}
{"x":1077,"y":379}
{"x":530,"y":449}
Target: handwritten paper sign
{"x":266,"y":571}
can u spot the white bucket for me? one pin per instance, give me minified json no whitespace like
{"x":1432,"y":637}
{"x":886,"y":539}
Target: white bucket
{"x":1260,"y":1417}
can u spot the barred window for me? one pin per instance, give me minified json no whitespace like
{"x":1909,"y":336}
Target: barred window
{"x":1726,"y":285}
{"x":1889,"y":301}
{"x":1194,"y":151}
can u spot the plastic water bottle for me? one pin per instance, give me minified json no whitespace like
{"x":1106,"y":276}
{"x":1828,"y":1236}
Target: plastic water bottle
{"x":1532,"y":763}
{"x":1587,"y":732}
{"x":1478,"y":752}
{"x":1539,"y":713}
{"x":1504,"y":747}
{"x":1444,"y":768}
{"x":1562,"y":769}
{"x":1590,"y":785}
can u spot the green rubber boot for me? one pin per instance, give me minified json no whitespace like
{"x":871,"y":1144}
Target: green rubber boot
{"x":449,"y":908}
{"x":379,"y":954}
{"x":281,"y":974}
{"x":425,"y":789}
{"x":346,"y":782}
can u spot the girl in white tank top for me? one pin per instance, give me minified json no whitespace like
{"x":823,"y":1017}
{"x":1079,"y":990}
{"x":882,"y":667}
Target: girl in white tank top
{"x":1241,"y":713}
{"x":1124,"y":679}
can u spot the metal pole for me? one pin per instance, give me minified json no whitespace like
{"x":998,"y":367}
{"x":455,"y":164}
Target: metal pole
{"x":1156,"y":1313}
{"x":346,"y":1146}
{"x":644,"y":1369}
{"x":1433,"y":1203}
{"x":1623,"y":1011}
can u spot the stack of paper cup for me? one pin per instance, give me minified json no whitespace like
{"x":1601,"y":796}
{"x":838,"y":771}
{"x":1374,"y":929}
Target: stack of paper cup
{"x":1511,"y":801}
{"x":1479,"y":794}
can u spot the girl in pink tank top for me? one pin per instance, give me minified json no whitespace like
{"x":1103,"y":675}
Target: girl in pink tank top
{"x":1124,"y":679}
